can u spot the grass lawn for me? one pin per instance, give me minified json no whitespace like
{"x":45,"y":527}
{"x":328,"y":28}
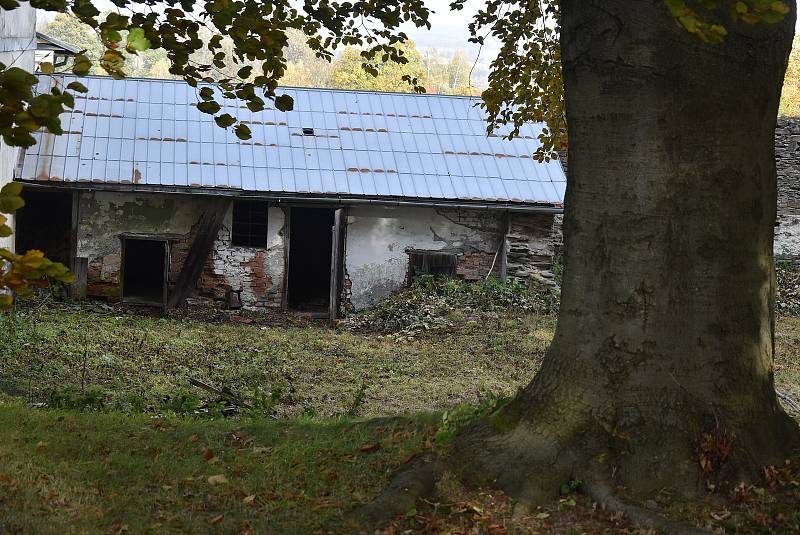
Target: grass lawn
{"x":143,"y":462}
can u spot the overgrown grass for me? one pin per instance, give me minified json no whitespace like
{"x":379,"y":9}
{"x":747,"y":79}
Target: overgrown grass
{"x":70,"y":356}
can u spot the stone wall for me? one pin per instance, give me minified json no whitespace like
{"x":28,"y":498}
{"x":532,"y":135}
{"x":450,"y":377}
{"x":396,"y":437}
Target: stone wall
{"x":787,"y":162}
{"x":530,"y":247}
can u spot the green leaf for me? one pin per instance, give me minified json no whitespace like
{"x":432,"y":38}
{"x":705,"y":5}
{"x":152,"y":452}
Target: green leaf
{"x":46,"y":67}
{"x":208,"y":107}
{"x":207,"y":93}
{"x":81,"y":65}
{"x":77,"y":87}
{"x":245,"y":72}
{"x":225,"y":120}
{"x":284,"y":102}
{"x":242,"y":131}
{"x":137,"y":41}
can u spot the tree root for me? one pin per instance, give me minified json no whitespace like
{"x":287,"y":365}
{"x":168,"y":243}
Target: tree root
{"x":601,"y":493}
{"x":417,"y":480}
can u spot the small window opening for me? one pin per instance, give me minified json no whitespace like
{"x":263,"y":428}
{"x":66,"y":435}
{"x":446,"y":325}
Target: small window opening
{"x":431,"y":263}
{"x":308,"y":131}
{"x":249,"y":223}
{"x":143,"y":270}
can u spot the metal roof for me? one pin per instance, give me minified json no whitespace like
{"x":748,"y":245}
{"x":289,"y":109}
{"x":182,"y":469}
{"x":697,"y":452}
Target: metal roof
{"x":149,"y":134}
{"x":47,"y":42}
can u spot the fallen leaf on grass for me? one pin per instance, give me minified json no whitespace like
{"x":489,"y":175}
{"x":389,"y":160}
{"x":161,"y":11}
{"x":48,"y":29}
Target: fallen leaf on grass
{"x":40,"y":445}
{"x":215,"y":519}
{"x":218,"y":479}
{"x":193,"y":437}
{"x":208,"y":455}
{"x":370,"y":447}
{"x":542,"y":516}
{"x":116,"y":529}
{"x":249,"y":499}
{"x":722,"y":515}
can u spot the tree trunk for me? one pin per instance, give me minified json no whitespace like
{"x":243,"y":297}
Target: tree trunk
{"x":661,"y":370}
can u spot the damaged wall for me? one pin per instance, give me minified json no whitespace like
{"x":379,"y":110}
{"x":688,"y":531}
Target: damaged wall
{"x":379,"y":239}
{"x":104,"y":216}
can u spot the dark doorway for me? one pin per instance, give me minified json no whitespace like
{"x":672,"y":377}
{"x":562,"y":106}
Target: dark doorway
{"x":45,"y":223}
{"x":144,"y":264}
{"x":310,"y":242}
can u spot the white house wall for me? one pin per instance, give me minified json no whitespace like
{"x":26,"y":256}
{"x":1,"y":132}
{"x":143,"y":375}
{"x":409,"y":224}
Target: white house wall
{"x":378,"y":240}
{"x":17,"y":44}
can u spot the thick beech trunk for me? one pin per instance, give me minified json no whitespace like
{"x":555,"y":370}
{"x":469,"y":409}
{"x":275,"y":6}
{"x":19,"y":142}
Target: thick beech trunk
{"x":665,"y":333}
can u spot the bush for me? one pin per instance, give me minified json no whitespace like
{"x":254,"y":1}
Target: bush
{"x":434,"y":304}
{"x":787,"y":295}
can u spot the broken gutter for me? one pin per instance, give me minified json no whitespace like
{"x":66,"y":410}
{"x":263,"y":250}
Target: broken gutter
{"x":278,"y":198}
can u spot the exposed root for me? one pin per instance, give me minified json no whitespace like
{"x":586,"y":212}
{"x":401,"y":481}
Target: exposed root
{"x":417,"y":480}
{"x":601,"y":493}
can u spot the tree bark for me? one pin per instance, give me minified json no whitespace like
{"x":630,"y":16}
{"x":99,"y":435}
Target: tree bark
{"x":660,"y":373}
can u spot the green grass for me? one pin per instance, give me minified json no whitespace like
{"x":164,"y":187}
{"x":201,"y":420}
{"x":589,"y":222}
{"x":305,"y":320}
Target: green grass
{"x":70,"y":472}
{"x":129,"y":461}
{"x":133,"y":362}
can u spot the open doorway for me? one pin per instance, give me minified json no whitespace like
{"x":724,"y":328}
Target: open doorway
{"x":144,"y":266}
{"x":45,"y":223}
{"x":310,"y":245}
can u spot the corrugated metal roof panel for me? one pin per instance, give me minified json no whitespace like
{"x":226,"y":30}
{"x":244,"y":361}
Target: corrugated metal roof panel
{"x":363,"y":143}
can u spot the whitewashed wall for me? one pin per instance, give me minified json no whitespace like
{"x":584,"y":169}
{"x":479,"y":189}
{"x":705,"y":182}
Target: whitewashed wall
{"x":17,"y":44}
{"x":376,"y":261}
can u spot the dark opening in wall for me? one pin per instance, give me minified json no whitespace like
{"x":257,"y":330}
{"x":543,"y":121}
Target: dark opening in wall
{"x":44,"y":223}
{"x":310,"y":246}
{"x":249,"y":223}
{"x":144,"y":263}
{"x":431,"y":263}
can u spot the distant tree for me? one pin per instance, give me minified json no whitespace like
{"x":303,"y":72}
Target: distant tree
{"x":354,"y":71}
{"x":447,"y":75}
{"x":66,"y":27}
{"x":304,"y":68}
{"x":790,"y":97}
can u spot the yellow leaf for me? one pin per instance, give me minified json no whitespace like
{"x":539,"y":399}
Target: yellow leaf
{"x":741,"y":7}
{"x":780,"y":7}
{"x":249,"y":499}
{"x":46,"y":67}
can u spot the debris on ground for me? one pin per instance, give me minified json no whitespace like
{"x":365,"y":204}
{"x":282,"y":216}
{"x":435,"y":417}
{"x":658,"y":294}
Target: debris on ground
{"x":436,"y":305}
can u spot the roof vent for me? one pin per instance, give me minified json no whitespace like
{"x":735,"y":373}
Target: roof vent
{"x":308,"y":131}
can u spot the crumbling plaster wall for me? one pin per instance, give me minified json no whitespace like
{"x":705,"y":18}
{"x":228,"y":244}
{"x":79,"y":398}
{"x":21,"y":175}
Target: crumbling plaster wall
{"x":104,"y":216}
{"x":378,"y":238}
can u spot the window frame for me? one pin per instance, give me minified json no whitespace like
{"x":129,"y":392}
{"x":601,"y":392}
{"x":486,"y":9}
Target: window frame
{"x":243,"y":224}
{"x":425,"y":264}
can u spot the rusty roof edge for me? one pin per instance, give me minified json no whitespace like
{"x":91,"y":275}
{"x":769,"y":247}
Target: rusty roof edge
{"x":555,"y":208}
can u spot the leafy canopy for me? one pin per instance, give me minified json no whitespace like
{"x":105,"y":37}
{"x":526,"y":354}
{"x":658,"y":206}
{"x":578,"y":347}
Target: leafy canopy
{"x":525,"y":83}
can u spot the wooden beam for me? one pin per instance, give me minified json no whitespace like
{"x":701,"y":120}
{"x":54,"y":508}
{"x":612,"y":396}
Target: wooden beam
{"x":207,"y":231}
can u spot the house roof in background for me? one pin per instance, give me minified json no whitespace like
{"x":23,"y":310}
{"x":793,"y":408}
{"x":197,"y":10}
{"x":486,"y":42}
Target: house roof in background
{"x":46,"y":42}
{"x":149,"y":134}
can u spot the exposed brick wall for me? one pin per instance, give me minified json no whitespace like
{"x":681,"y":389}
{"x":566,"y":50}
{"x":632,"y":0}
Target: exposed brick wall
{"x":475,"y":265}
{"x":103,"y":277}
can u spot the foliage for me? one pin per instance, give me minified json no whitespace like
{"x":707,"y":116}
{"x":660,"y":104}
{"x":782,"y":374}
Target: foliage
{"x":787,"y":296}
{"x":525,"y":81}
{"x":255,"y":33}
{"x":440,"y":305}
{"x":449,"y":76}
{"x":790,"y":96}
{"x":20,"y":272}
{"x":356,"y":71}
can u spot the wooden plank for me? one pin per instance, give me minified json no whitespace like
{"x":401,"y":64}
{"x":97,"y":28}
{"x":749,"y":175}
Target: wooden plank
{"x":80,"y":268}
{"x":207,"y":230}
{"x":337,"y":236}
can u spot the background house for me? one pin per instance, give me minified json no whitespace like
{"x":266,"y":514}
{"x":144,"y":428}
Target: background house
{"x":328,"y":207}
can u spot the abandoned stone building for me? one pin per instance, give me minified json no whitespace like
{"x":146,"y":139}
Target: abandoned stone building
{"x":328,"y":207}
